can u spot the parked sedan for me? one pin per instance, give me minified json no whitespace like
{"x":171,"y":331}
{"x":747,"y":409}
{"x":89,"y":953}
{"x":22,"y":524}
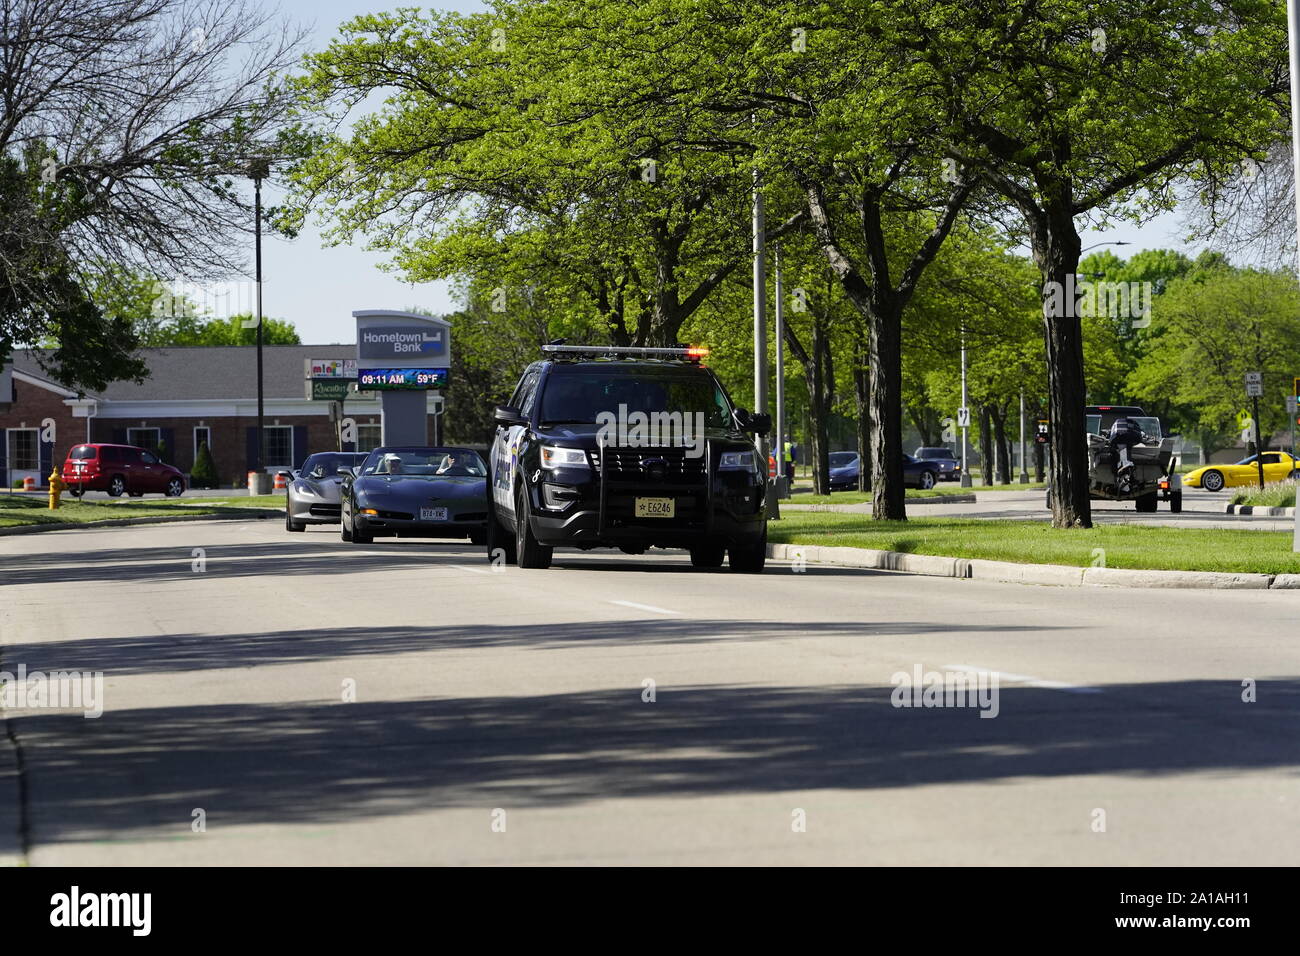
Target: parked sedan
{"x":844,"y":470}
{"x":916,"y":472}
{"x":416,"y":492}
{"x":949,"y":468}
{"x":1278,"y":466}
{"x":312,"y":496}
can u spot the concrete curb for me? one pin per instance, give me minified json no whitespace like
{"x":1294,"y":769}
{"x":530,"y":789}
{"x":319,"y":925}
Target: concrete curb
{"x":968,"y":499}
{"x":1266,"y":511}
{"x":1010,"y":572}
{"x":120,"y":522}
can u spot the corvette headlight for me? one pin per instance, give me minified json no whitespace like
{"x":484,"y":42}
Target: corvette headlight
{"x":737,"y":461}
{"x":555,"y":457}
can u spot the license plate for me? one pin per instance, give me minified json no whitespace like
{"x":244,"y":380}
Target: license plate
{"x":433,"y":514}
{"x":656,"y":507}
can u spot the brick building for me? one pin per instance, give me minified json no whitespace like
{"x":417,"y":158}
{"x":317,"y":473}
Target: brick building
{"x":192,"y":395}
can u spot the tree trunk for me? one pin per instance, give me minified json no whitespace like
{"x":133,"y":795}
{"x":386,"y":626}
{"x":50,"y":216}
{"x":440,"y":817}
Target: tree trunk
{"x":820,"y":426}
{"x":862,"y":400}
{"x":986,"y":445}
{"x":887,"y":491}
{"x":1056,"y":251}
{"x":1002,"y":443}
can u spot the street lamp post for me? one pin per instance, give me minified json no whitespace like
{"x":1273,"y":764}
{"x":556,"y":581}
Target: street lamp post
{"x":1293,"y":38}
{"x":259,"y":169}
{"x":965,"y":465}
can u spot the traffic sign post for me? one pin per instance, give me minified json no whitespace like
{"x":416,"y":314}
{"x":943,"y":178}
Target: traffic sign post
{"x":1254,"y":389}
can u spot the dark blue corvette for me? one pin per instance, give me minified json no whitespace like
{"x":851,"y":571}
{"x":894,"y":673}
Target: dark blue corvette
{"x":418,"y":493}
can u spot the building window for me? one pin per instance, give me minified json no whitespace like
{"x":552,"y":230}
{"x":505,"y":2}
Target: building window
{"x":202,"y":436}
{"x":369,"y":437}
{"x":143,"y":437}
{"x":24,"y":450}
{"x":278,"y":446}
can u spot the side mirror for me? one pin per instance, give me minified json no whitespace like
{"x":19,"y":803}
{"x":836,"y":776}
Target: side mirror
{"x":286,"y":474}
{"x":506,"y":415}
{"x":760,"y":424}
{"x":744,"y":420}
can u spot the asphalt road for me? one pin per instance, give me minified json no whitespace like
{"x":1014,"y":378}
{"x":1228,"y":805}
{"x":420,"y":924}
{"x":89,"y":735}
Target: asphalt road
{"x":517,"y":698}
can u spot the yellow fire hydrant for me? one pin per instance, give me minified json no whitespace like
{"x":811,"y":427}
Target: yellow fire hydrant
{"x":56,"y":487}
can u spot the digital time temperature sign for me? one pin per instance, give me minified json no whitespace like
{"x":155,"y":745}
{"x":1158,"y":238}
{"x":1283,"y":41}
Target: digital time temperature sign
{"x":376,"y":379}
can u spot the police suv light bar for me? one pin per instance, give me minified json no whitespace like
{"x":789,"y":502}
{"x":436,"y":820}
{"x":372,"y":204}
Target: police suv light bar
{"x":693,"y":354}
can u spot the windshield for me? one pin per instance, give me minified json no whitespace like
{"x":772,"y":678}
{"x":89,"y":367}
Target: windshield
{"x":934,"y":453}
{"x":1149,"y":424}
{"x":841,"y":459}
{"x":425,"y":463}
{"x":327,"y":464}
{"x":579,"y":394}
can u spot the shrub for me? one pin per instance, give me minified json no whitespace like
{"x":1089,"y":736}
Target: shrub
{"x":204,"y":473}
{"x":1277,"y":494}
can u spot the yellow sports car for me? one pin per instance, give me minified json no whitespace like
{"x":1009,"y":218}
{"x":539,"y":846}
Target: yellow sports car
{"x":1278,"y":466}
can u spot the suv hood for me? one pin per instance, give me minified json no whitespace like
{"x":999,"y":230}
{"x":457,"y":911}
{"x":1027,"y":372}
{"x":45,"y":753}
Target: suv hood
{"x":584,"y":436}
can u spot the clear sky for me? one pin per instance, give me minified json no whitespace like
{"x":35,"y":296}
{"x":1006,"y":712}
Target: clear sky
{"x":317,"y":288}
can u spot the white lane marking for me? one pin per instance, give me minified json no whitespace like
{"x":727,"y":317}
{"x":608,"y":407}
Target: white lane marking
{"x":645,"y":607}
{"x":1027,"y":680}
{"x":466,"y":567}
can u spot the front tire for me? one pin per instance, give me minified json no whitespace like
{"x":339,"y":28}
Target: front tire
{"x":289,"y":523}
{"x":175,"y":488}
{"x":1212,"y":481}
{"x":927,"y":480}
{"x":499,"y":540}
{"x":530,"y":552}
{"x":708,"y":556}
{"x":750,"y":558}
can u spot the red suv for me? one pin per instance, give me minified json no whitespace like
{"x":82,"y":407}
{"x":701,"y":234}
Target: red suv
{"x":119,"y":468}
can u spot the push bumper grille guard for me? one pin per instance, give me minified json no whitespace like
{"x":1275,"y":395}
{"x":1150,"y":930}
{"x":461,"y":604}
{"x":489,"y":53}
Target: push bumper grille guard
{"x":708,"y":489}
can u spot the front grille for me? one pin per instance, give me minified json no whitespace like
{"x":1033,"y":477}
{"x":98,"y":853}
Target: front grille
{"x":629,"y":464}
{"x":326,"y":511}
{"x":471,"y":516}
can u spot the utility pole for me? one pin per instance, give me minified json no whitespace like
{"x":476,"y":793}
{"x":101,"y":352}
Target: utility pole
{"x":760,"y":338}
{"x":964,"y":424}
{"x":782,"y":480}
{"x":1293,"y":37}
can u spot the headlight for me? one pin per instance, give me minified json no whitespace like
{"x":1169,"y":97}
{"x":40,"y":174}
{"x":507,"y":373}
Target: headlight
{"x":555,"y":457}
{"x":737,"y":461}
{"x":306,"y":489}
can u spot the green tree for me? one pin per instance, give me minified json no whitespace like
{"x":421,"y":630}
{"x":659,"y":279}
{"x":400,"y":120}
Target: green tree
{"x":204,"y":472}
{"x":1211,"y":328}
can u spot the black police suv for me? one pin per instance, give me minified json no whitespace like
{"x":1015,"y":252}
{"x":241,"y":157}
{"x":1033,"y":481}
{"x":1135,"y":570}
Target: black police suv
{"x":626,"y":448}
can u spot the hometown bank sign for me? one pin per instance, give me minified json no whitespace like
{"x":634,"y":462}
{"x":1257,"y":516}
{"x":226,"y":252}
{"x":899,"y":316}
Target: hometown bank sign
{"x":404,"y":341}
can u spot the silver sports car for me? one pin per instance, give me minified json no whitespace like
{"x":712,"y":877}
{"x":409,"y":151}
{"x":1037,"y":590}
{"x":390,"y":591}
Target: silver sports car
{"x":416,"y":492}
{"x":312,"y":496}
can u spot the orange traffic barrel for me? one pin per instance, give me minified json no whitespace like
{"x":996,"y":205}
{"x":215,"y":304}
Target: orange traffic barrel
{"x":29,"y":483}
{"x":281,"y":482}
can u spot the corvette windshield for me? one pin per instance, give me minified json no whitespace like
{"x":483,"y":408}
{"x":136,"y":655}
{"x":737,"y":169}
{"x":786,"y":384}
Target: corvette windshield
{"x":426,"y":463}
{"x":327,"y":464}
{"x":577,"y":394}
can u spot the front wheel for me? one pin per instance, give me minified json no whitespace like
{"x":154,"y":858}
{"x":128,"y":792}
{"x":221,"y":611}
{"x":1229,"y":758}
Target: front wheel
{"x":1212,"y":481}
{"x":289,"y":523}
{"x":927,"y":480}
{"x":500,"y":542}
{"x":749,"y":558}
{"x":708,"y":556}
{"x":175,"y":487}
{"x":530,"y":552}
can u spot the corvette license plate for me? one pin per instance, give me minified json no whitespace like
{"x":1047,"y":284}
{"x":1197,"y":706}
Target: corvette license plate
{"x":433,"y":514}
{"x":655,"y":507}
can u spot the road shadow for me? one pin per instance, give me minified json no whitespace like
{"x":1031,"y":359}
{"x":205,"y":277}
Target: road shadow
{"x":141,"y":772}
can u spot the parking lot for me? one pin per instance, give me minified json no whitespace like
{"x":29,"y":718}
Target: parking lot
{"x":402,"y":703}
